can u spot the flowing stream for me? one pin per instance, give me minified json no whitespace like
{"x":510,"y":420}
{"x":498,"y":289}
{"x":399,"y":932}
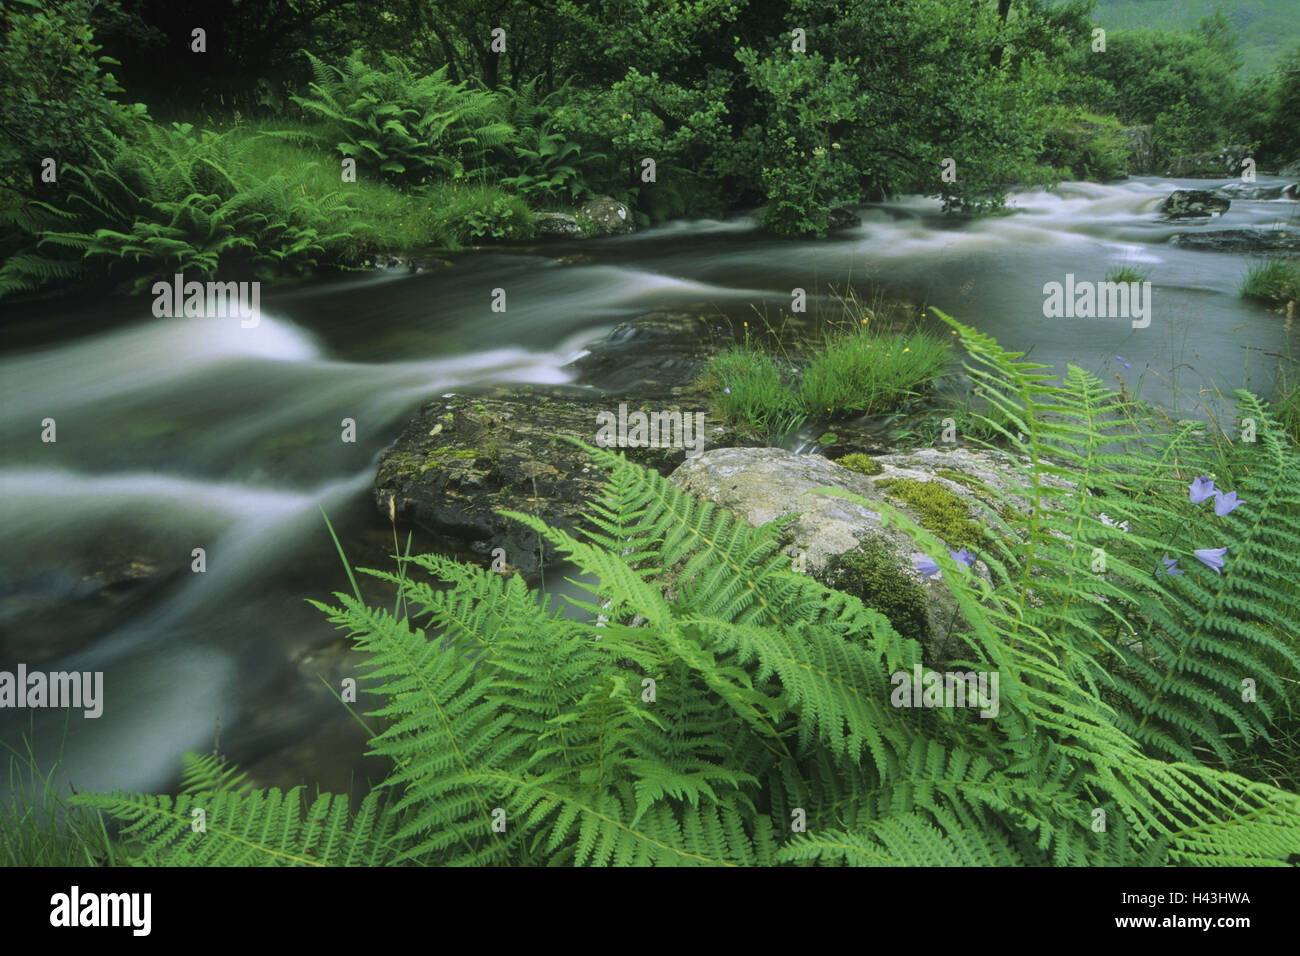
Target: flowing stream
{"x":183,"y":433}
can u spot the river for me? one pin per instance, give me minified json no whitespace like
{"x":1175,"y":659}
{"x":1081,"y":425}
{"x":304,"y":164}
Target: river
{"x":183,"y":433}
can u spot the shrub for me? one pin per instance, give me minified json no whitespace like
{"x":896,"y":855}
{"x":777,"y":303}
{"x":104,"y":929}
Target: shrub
{"x":178,"y":198}
{"x":1085,"y":145}
{"x":411,"y":128}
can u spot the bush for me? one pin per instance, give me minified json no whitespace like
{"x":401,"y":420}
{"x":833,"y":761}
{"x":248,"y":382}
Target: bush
{"x":410,"y":128}
{"x":1085,"y":145}
{"x":177,"y":198}
{"x":56,"y":100}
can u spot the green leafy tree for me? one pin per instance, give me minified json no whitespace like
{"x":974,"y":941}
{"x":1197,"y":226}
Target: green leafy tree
{"x":56,"y":99}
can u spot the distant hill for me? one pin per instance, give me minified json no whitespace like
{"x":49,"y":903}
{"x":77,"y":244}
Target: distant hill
{"x":1268,"y":28}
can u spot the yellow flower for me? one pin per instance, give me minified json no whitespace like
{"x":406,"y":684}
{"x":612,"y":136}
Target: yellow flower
{"x":907,"y":350}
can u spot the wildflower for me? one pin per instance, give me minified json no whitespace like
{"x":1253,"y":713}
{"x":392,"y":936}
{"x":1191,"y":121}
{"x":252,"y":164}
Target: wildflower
{"x":1120,"y":358}
{"x":963,"y":557}
{"x":907,"y":350}
{"x":1226,"y":504}
{"x":1211,"y":557}
{"x":1200,"y":489}
{"x":925,"y":566}
{"x":1171,"y":566}
{"x":727,"y":390}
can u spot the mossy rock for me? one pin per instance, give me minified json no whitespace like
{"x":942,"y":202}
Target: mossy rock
{"x":938,"y":510}
{"x":862,"y":464}
{"x":870,"y":573}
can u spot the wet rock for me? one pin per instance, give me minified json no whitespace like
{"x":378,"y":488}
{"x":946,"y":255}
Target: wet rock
{"x":604,"y":216}
{"x":1290,"y":169}
{"x":556,"y":225}
{"x":1193,"y":203}
{"x":1270,"y":241}
{"x":657,"y":356}
{"x":843,"y":219}
{"x":843,"y":541}
{"x":1250,"y":191}
{"x":405,"y":263}
{"x":464,"y":458}
{"x":1141,"y":153}
{"x":1212,"y":164}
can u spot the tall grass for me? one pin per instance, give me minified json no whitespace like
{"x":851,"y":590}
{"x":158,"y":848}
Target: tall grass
{"x":38,"y":828}
{"x":864,"y":372}
{"x":851,"y":373}
{"x":1276,"y":280}
{"x":747,"y":389}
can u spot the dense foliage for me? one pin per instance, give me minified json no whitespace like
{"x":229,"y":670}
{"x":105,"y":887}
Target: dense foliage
{"x":679,"y":108}
{"x":715,"y":701}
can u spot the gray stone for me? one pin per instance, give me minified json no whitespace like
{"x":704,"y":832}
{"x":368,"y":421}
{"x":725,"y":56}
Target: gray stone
{"x":763,"y":484}
{"x":1250,"y":191}
{"x":1141,"y":153}
{"x":1270,"y":241}
{"x":1192,"y":204}
{"x":604,"y":216}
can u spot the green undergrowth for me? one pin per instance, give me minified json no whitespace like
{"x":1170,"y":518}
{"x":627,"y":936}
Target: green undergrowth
{"x":850,"y":373}
{"x":708,"y":704}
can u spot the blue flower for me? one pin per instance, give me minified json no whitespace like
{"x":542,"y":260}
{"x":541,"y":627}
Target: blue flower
{"x":727,"y":390}
{"x":1225,"y":504}
{"x":963,"y":557}
{"x":1171,"y":566}
{"x":1120,"y":358}
{"x":1212,"y":557}
{"x":925,"y":566}
{"x":1200,"y":489}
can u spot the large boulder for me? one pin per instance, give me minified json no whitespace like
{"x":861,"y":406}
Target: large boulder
{"x":1193,"y":204}
{"x":1213,"y":164}
{"x":1141,"y":153}
{"x":604,"y":216}
{"x":463,"y":458}
{"x":846,"y":545}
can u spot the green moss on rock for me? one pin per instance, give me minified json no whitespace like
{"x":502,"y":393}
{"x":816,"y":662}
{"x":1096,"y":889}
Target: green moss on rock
{"x":938,"y":510}
{"x":871,"y":574}
{"x":864,"y":464}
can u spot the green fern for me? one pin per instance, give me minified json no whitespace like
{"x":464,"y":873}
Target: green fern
{"x":708,"y":705}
